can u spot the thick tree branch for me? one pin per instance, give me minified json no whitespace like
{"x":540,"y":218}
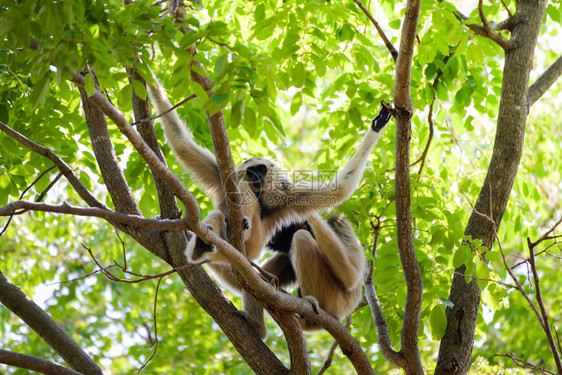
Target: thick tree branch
{"x":546,"y":79}
{"x":141,"y":109}
{"x":387,"y":43}
{"x":173,"y":182}
{"x":455,"y":348}
{"x":229,"y":179}
{"x":298,"y":352}
{"x":104,"y":152}
{"x":404,"y":111}
{"x":33,"y":363}
{"x":17,"y":302}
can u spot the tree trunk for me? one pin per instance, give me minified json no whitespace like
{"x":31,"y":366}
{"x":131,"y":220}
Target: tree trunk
{"x":456,"y":346}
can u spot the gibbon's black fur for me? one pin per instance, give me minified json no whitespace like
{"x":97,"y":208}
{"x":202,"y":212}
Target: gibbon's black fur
{"x":271,"y":201}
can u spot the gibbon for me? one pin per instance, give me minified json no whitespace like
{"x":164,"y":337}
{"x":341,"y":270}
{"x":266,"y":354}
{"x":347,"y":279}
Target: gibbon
{"x":271,"y":200}
{"x":324,"y":258}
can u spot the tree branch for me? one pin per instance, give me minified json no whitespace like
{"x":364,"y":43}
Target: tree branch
{"x":104,"y":152}
{"x":223,"y":155}
{"x":198,"y":282}
{"x":141,"y":109}
{"x":61,"y":165}
{"x":111,"y":216}
{"x":17,"y":302}
{"x":546,"y":79}
{"x":298,"y":352}
{"x":524,"y":364}
{"x":387,"y":43}
{"x":376,"y":309}
{"x":487,"y":31}
{"x":404,"y":112}
{"x":33,"y":363}
{"x":173,"y":182}
{"x":545,"y":319}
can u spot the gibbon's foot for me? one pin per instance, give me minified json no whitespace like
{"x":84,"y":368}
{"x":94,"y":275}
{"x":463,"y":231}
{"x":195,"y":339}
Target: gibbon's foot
{"x":245,"y":222}
{"x":198,"y":250}
{"x":381,"y":120}
{"x":266,"y":275}
{"x":314,"y":302}
{"x":258,"y":326}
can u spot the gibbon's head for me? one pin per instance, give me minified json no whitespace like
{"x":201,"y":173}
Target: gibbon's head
{"x":263,"y":176}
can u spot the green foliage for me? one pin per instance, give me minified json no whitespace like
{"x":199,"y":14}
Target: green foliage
{"x":297,"y":81}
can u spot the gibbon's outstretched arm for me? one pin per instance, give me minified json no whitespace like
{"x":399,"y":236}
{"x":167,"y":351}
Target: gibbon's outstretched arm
{"x":198,"y":161}
{"x":290,"y":203}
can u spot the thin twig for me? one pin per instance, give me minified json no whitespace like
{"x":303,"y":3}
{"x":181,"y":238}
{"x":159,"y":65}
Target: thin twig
{"x":524,"y":364}
{"x":545,"y":318}
{"x":23,"y":194}
{"x":141,"y":277}
{"x":332,"y":351}
{"x":507,"y":9}
{"x":166,"y":111}
{"x":387,"y":43}
{"x":484,"y":279}
{"x":155,"y":342}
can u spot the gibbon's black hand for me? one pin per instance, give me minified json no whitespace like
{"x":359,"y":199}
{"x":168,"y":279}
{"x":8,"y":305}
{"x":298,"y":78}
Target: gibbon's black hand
{"x":381,"y":120}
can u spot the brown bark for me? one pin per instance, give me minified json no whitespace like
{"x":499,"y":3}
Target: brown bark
{"x":32,"y":363}
{"x":404,"y":111}
{"x":456,"y":346}
{"x":38,"y":320}
{"x":112,"y":174}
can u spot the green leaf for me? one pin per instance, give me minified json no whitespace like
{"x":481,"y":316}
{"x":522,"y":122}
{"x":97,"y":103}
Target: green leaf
{"x":200,"y":92}
{"x":221,"y":65}
{"x":438,"y":322}
{"x":299,"y":74}
{"x":140,"y":89}
{"x":4,"y":114}
{"x":219,"y":99}
{"x":39,"y":93}
{"x":395,"y":24}
{"x":355,"y":117}
{"x":5,"y":181}
{"x":461,"y":256}
{"x":259,"y":13}
{"x":236,"y":113}
{"x":89,"y":84}
{"x":296,"y":103}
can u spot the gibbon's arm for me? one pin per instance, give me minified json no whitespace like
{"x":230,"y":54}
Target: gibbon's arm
{"x":342,"y":185}
{"x":198,"y":161}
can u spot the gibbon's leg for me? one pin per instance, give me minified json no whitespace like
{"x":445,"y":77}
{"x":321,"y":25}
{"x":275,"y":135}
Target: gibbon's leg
{"x":315,"y":268}
{"x":340,"y":247}
{"x":198,"y":161}
{"x":280,"y":266}
{"x":223,"y":272}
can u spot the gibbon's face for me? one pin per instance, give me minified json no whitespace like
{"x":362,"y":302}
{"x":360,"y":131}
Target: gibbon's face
{"x":263,"y":175}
